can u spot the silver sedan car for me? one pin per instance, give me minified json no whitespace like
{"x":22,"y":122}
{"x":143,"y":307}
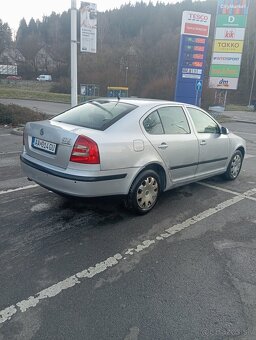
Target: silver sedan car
{"x":136,"y":148}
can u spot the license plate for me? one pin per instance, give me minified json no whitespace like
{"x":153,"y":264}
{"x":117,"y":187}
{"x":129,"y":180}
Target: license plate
{"x":44,"y":145}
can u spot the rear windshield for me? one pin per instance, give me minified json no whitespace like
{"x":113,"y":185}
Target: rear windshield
{"x":96,"y":114}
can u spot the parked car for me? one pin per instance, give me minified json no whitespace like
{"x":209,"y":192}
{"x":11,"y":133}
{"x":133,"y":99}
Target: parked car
{"x":14,"y":77}
{"x":44,"y":77}
{"x":137,"y":148}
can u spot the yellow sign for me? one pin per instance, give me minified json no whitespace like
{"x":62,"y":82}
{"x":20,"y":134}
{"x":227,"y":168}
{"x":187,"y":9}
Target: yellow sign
{"x":228,"y":46}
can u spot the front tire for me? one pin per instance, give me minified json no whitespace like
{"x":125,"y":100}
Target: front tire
{"x":144,"y":192}
{"x":234,"y":166}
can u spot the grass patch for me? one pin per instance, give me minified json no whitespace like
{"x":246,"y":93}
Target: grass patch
{"x":220,"y":117}
{"x":15,"y":115}
{"x":31,"y":90}
{"x":233,"y":107}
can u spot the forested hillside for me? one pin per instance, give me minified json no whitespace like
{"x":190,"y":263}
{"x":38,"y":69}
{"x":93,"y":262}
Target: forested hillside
{"x":137,"y":46}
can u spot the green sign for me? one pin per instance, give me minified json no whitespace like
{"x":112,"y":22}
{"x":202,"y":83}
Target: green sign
{"x":229,"y":71}
{"x":231,"y":20}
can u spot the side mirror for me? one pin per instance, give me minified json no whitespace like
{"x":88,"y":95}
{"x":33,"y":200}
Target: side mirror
{"x":224,"y":131}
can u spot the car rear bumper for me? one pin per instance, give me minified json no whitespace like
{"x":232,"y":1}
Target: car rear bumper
{"x":85,"y":184}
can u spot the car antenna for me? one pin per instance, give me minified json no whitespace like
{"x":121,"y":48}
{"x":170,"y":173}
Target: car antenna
{"x":118,"y":97}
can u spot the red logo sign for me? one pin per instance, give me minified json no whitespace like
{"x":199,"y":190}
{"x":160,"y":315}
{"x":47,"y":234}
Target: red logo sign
{"x":196,"y":29}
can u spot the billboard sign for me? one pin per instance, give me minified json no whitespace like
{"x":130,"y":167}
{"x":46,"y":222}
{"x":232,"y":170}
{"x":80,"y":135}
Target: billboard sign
{"x":228,"y":44}
{"x":226,"y":58}
{"x":231,"y":71}
{"x":192,"y":54}
{"x":222,"y":33}
{"x":223,"y":83}
{"x":231,"y":21}
{"x":88,"y":27}
{"x":195,"y":23}
{"x":232,"y":7}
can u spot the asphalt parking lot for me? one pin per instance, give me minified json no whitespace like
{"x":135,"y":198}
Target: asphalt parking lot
{"x":88,"y":269}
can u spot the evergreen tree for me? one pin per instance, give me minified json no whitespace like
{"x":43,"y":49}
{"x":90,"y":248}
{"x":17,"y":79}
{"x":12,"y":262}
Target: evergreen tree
{"x":5,"y":36}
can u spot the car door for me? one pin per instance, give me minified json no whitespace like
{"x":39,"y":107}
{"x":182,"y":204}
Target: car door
{"x":213,"y":145}
{"x":168,"y":130}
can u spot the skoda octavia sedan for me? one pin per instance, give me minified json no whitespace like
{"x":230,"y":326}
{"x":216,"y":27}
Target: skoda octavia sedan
{"x":137,"y":148}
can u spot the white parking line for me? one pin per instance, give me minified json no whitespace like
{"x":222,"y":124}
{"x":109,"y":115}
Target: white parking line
{"x":10,"y":153}
{"x":226,"y":190}
{"x":18,"y":189}
{"x":248,"y":156}
{"x":88,"y":273}
{"x":244,"y":133}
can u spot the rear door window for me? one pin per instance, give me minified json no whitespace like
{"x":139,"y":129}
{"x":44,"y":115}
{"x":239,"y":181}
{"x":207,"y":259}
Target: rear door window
{"x":167,"y":120}
{"x":174,"y":120}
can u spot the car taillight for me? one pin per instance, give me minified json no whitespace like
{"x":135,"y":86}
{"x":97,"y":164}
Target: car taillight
{"x":85,"y":151}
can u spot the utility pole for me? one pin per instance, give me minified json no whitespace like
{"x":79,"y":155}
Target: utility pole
{"x":254,"y":71}
{"x":126,"y":75}
{"x":73,"y":53}
{"x":252,"y":85}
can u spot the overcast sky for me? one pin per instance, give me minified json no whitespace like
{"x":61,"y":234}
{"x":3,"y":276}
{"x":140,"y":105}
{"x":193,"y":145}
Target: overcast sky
{"x":12,"y":11}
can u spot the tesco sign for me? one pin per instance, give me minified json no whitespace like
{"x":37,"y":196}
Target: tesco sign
{"x":195,"y":23}
{"x":199,"y":17}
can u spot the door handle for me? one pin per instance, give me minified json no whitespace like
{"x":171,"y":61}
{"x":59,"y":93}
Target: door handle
{"x":203,"y":142}
{"x":162,"y":146}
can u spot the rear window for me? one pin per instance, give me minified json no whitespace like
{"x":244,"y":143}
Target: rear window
{"x":96,"y":114}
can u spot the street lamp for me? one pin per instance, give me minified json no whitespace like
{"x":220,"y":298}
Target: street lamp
{"x":126,"y":74}
{"x":73,"y":53}
{"x":254,"y":72}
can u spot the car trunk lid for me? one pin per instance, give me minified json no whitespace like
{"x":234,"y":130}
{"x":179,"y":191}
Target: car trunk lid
{"x":52,"y":142}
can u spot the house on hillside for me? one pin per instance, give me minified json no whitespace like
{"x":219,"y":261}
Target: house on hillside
{"x":11,"y":56}
{"x":44,"y":61}
{"x":48,"y":62}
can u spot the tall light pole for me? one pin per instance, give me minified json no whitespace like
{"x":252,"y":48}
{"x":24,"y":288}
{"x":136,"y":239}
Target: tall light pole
{"x":126,"y":75}
{"x":252,"y":85}
{"x":254,"y":71}
{"x":73,"y":53}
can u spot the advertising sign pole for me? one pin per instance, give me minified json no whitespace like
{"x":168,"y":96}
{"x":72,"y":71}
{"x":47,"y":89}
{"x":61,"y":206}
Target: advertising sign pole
{"x":253,"y":75}
{"x":88,"y":39}
{"x":192,"y":55}
{"x":88,"y":27}
{"x":252,"y":85}
{"x":230,"y":26}
{"x":73,"y":53}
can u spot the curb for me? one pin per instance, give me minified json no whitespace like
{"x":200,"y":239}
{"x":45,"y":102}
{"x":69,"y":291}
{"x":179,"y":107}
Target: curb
{"x":232,"y":119}
{"x":242,"y":121}
{"x":17,"y":131}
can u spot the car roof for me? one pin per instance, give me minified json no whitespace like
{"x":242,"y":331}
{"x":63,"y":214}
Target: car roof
{"x":139,"y":101}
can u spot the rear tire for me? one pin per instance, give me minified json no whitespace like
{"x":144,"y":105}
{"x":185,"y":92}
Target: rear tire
{"x":144,"y":192}
{"x":234,"y":166}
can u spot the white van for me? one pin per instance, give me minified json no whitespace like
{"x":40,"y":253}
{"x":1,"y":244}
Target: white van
{"x":44,"y":77}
